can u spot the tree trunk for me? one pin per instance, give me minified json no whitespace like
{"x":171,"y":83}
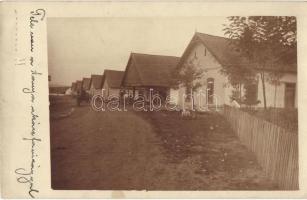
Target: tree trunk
{"x":263,"y":89}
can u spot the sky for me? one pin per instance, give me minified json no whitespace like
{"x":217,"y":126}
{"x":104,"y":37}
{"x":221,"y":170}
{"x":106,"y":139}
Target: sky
{"x":79,"y":47}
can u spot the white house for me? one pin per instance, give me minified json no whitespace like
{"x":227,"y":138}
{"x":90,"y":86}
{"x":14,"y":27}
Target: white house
{"x":211,"y":53}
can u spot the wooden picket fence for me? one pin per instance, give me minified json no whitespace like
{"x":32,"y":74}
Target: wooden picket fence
{"x":275,"y":148}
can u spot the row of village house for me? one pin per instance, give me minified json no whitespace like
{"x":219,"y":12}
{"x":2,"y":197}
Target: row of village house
{"x":144,"y":72}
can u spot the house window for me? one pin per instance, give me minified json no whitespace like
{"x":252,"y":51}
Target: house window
{"x":210,"y":90}
{"x":290,"y":95}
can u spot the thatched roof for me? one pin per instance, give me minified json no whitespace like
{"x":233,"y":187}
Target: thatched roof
{"x":96,"y":81}
{"x":86,"y":83}
{"x":113,"y":78}
{"x":149,"y":70}
{"x":225,"y":52}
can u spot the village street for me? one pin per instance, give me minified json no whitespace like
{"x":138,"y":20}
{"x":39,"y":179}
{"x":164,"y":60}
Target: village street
{"x":148,"y":151}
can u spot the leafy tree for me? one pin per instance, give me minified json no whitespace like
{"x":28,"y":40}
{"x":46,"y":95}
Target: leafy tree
{"x":268,"y":42}
{"x":250,"y":97}
{"x":238,"y":75}
{"x":188,"y":76}
{"x":274,"y":79}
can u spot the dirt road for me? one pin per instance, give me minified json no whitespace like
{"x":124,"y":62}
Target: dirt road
{"x":150,"y":151}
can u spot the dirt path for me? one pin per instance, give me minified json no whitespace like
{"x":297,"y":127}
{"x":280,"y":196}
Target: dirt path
{"x":153,"y":151}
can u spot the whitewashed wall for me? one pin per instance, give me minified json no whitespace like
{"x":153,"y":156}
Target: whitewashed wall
{"x":222,"y":89}
{"x":174,"y":95}
{"x":280,"y":91}
{"x":204,"y":59}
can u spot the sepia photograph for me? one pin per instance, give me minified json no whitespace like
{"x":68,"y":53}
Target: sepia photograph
{"x":173,"y":103}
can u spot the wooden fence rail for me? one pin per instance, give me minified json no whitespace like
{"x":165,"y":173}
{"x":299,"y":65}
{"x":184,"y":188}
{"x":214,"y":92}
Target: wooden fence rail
{"x":276,"y":149}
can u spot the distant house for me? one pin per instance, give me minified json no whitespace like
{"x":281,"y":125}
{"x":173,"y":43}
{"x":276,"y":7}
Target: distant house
{"x":78,"y":87}
{"x":211,"y":53}
{"x":86,"y":83}
{"x":73,"y":88}
{"x":58,"y":89}
{"x":112,"y":83}
{"x":96,"y":84}
{"x":146,"y":72}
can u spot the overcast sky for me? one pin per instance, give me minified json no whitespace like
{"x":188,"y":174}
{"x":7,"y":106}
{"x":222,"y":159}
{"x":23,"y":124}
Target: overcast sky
{"x":79,"y":47}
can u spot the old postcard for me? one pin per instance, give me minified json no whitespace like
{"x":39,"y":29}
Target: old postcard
{"x":153,"y":99}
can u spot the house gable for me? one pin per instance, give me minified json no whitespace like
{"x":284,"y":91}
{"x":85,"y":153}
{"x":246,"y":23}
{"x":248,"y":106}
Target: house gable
{"x":204,"y":59}
{"x":73,"y":86}
{"x":96,"y":81}
{"x":113,"y":78}
{"x":78,"y":86}
{"x":86,"y":82}
{"x":199,"y":54}
{"x":131,"y":76}
{"x":201,"y":57}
